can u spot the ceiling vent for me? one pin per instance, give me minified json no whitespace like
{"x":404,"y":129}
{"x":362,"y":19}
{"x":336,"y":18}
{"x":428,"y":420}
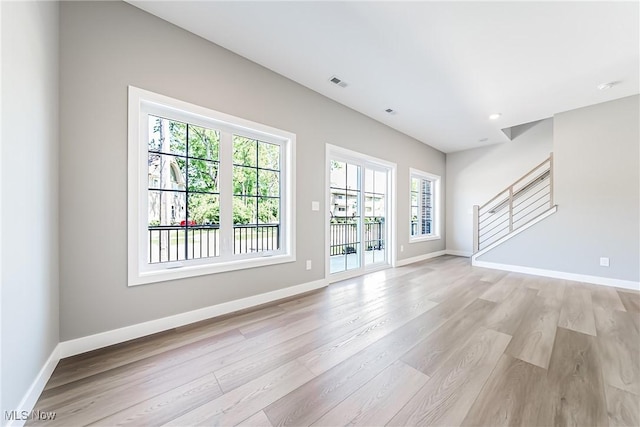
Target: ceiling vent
{"x":390,"y":111}
{"x":335,"y":80}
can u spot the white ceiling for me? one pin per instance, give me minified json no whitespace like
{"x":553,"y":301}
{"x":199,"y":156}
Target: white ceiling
{"x":443,"y":66}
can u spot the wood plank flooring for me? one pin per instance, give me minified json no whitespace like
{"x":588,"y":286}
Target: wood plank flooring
{"x":434,"y":343}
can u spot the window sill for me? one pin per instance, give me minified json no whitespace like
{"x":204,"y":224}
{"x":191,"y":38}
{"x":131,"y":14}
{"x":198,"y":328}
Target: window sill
{"x":424,"y":238}
{"x":142,"y":278}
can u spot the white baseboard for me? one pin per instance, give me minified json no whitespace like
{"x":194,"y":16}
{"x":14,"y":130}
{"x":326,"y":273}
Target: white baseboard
{"x":459,"y":253}
{"x":597,"y":280}
{"x":104,"y":339}
{"x":92,"y":342}
{"x":32,"y":395}
{"x":407,"y":261}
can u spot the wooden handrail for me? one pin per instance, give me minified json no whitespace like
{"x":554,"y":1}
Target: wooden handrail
{"x":548,"y":159}
{"x":517,"y":194}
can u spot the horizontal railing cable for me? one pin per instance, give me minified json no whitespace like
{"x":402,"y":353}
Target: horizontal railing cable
{"x":515,"y":206}
{"x":496,"y":220}
{"x":546,"y":194}
{"x":485,"y":231}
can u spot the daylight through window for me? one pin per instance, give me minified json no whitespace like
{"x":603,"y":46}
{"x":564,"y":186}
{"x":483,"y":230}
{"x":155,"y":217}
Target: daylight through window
{"x":424,"y":189}
{"x":208,"y":191}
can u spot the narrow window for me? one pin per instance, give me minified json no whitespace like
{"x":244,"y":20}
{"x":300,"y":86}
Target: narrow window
{"x":424,"y":192}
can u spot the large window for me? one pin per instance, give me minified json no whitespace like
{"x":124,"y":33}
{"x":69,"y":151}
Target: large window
{"x":208,"y":192}
{"x":424,"y":191}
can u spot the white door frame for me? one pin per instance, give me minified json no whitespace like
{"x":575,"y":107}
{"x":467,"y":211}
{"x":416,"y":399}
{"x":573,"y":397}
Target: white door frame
{"x":358,"y":159}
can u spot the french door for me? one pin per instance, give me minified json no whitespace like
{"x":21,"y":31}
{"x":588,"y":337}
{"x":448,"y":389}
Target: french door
{"x":359,"y":213}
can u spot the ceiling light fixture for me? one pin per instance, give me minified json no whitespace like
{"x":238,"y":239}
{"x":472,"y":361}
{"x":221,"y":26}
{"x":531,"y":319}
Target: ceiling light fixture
{"x":483,"y":140}
{"x":495,"y":116}
{"x":605,"y":86}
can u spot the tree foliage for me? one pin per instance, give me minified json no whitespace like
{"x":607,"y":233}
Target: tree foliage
{"x":194,"y":151}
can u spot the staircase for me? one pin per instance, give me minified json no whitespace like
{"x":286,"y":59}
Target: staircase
{"x":524,"y":203}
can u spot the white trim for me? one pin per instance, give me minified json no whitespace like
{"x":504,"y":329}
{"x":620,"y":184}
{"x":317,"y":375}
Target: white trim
{"x":465,"y":254}
{"x":140,"y":104}
{"x":424,"y":238}
{"x":350,"y":274}
{"x":436,"y":182}
{"x":597,"y":280}
{"x":358,"y":157}
{"x":327,"y":217}
{"x":407,"y":261}
{"x":32,"y":395}
{"x":392,"y":197}
{"x":187,"y":271}
{"x":115,"y":336}
{"x":104,"y":339}
{"x":514,"y":233}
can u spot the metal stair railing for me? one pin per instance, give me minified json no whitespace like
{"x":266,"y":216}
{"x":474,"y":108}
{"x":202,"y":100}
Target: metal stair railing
{"x":515,"y":206}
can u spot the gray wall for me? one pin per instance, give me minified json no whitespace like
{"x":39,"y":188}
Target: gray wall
{"x":475,"y":176}
{"x":29,"y":192}
{"x":106,"y":46}
{"x":597,"y":190}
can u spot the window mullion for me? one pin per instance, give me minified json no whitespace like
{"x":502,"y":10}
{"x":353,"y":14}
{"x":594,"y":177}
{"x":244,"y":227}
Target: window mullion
{"x":226,"y":195}
{"x":187,"y":231}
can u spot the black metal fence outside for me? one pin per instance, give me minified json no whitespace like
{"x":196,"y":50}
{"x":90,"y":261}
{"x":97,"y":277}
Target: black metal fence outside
{"x":177,"y":243}
{"x":343,"y":237}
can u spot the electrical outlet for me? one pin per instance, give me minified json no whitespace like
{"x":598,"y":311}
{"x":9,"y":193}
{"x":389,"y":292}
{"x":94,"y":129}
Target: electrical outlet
{"x":315,"y":206}
{"x":401,"y":248}
{"x":604,"y":261}
{"x":308,"y":264}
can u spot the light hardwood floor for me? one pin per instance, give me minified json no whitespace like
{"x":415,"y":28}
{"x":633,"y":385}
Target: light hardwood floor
{"x":433,"y":343}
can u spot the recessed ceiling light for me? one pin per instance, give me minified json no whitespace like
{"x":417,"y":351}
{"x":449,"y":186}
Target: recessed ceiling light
{"x":608,"y":85}
{"x":390,"y":111}
{"x":483,"y":140}
{"x":495,"y":116}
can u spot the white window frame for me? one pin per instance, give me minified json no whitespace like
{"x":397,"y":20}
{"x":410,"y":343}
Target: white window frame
{"x":435,"y":210}
{"x":141,"y":104}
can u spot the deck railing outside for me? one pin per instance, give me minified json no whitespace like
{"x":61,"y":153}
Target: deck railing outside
{"x":343,"y":236}
{"x":177,"y":243}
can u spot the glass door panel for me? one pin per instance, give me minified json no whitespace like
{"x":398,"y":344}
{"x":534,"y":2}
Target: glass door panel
{"x":344,"y":227}
{"x":358,"y":204}
{"x":375,"y":212}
